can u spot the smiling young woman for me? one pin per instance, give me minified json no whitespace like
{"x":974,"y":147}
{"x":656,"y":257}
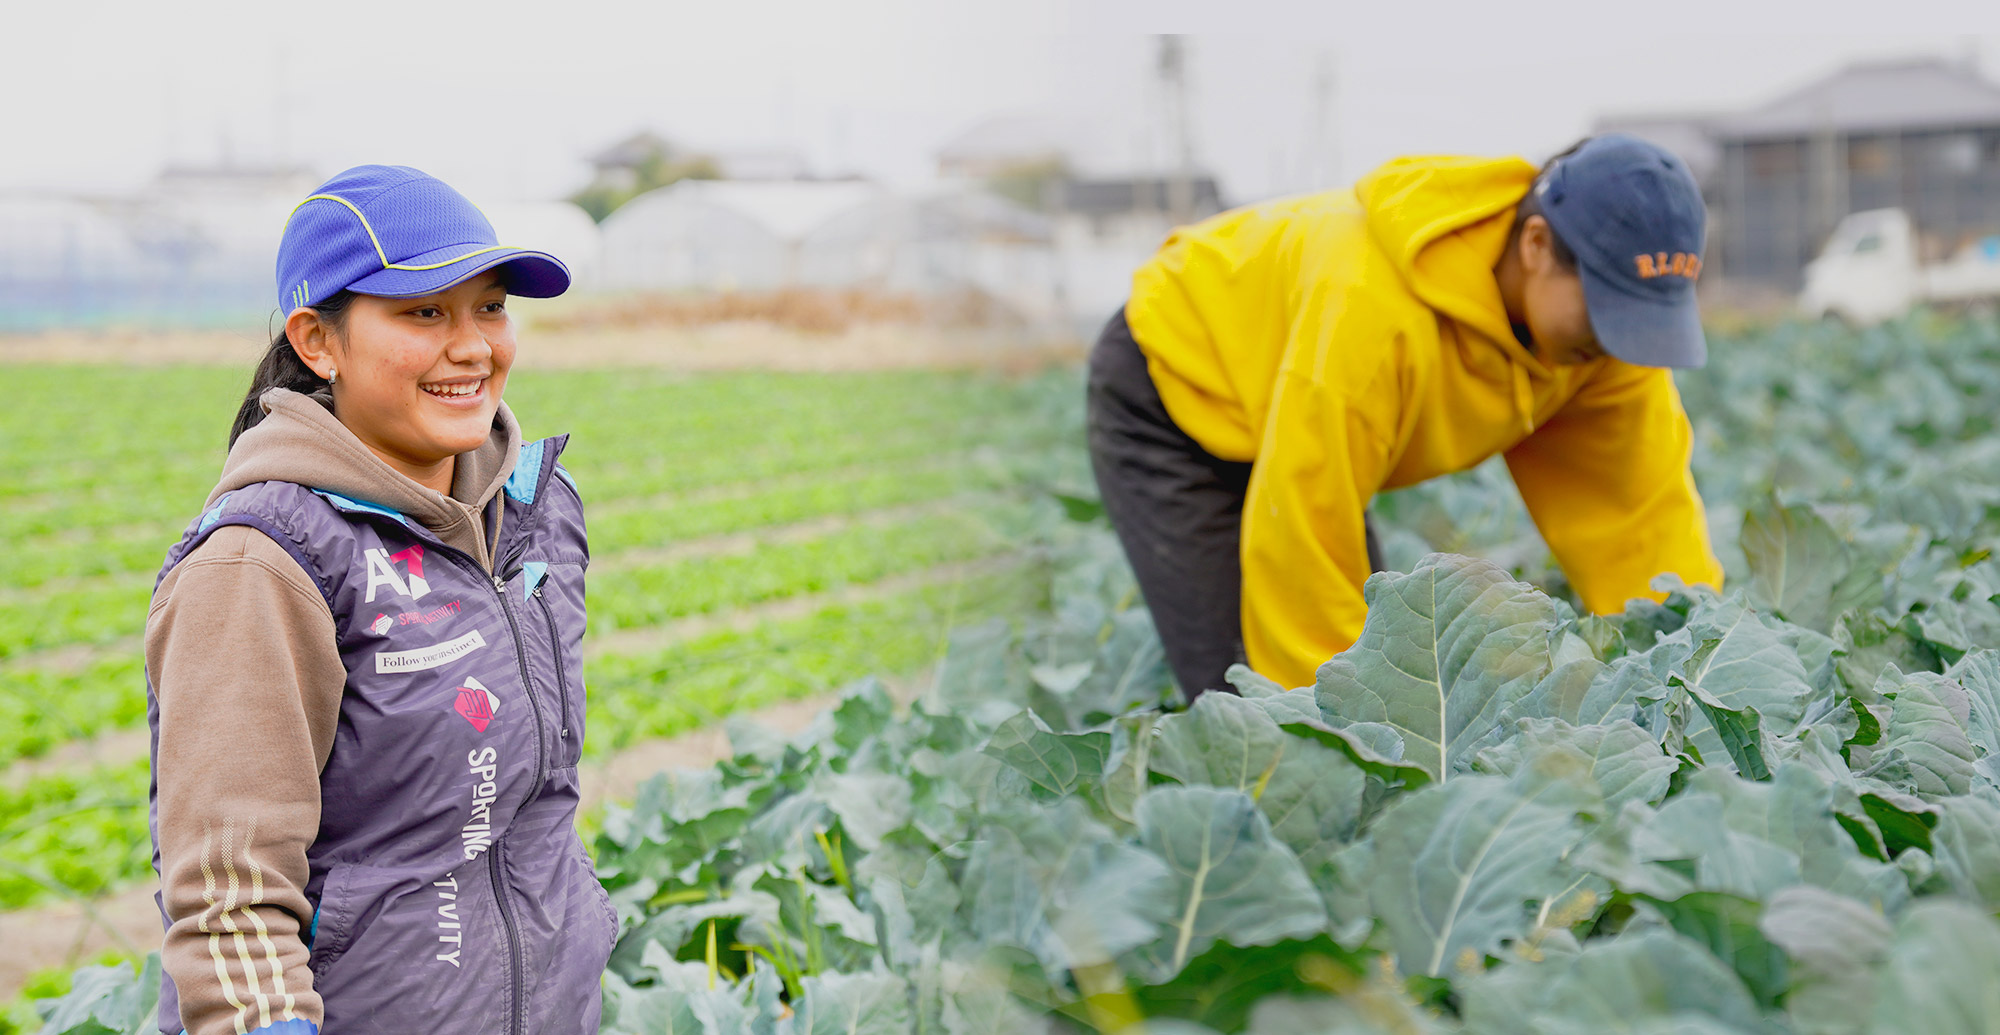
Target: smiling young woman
{"x":423,"y":375}
{"x":363,"y":658}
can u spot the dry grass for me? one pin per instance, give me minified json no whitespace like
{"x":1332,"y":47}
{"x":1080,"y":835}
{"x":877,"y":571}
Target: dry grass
{"x":807,"y":310}
{"x":799,"y":330}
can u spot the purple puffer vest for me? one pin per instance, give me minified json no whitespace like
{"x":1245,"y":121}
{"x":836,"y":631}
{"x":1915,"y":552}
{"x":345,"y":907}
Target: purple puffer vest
{"x":452,"y":894}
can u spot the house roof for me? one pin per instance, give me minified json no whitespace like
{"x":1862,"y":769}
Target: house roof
{"x":1078,"y":142}
{"x":770,"y":162}
{"x":1014,"y":138}
{"x":1127,"y":194}
{"x":1927,"y":93}
{"x":788,"y":209}
{"x":631,"y":151}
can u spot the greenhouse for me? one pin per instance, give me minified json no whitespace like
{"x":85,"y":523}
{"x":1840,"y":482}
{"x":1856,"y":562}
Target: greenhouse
{"x":939,"y":244}
{"x":746,"y":236}
{"x":719,"y":235}
{"x":60,"y":260}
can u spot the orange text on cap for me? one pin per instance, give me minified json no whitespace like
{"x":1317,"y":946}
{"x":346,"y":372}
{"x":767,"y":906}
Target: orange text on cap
{"x":1665,"y":264}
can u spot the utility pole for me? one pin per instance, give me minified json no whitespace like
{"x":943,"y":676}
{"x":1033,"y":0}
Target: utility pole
{"x":1322,"y":165}
{"x":1172,"y":69}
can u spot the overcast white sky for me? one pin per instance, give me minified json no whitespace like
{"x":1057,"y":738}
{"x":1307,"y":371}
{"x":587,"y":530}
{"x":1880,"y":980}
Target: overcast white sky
{"x":504,"y":99}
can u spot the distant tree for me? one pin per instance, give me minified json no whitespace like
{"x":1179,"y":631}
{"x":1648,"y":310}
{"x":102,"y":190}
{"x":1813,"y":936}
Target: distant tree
{"x":1030,"y":183}
{"x":659,"y":165}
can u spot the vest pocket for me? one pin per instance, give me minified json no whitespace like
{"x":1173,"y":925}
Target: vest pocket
{"x":562,"y":590}
{"x":428,"y":952}
{"x":331,"y":921}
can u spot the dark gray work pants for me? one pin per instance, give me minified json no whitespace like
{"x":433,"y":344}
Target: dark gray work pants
{"x":1178,"y":510}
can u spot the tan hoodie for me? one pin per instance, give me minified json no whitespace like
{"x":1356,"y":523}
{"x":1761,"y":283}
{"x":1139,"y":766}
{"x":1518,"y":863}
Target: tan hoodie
{"x":242,"y":800}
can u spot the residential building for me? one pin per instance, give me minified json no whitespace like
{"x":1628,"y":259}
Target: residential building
{"x":1921,"y":135}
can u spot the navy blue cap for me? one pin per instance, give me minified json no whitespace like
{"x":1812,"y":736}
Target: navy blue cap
{"x":394,"y":231}
{"x":1633,"y":215}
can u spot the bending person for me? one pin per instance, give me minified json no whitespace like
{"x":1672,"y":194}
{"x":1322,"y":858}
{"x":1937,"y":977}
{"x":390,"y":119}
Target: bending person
{"x":1280,"y":364}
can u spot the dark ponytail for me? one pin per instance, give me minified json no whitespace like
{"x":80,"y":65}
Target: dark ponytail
{"x":281,"y":367}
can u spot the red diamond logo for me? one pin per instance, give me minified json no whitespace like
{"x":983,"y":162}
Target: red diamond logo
{"x":477,"y":704}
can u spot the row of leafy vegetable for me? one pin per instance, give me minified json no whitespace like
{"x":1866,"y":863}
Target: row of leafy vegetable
{"x":1488,"y":816}
{"x":1771,"y":810}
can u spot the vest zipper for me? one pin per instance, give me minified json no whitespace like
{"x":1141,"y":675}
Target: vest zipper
{"x":562,"y":681}
{"x":517,"y":1021}
{"x":516,"y":966}
{"x":527,"y":685}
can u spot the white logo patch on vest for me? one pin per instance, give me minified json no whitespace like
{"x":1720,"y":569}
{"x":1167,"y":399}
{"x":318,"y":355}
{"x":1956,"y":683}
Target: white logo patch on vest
{"x":382,"y":572}
{"x":428,"y":657}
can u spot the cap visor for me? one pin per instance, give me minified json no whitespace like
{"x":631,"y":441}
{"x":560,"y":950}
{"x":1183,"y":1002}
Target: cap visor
{"x":1648,"y":332}
{"x":530,"y":274}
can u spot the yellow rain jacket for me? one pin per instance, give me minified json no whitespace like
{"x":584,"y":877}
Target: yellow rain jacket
{"x":1355,"y":341}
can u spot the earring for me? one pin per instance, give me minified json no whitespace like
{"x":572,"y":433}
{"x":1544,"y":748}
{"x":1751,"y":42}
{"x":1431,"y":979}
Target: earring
{"x":332,"y":377}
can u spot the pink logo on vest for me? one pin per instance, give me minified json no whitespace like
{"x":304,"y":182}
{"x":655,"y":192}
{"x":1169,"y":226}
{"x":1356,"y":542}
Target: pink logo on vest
{"x":476,"y":703}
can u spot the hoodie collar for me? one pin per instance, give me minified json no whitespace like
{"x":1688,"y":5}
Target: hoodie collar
{"x":301,"y":441}
{"x":1444,"y":221}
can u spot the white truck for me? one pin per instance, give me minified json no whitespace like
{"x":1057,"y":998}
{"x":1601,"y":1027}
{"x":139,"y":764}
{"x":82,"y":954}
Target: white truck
{"x":1873,"y":268}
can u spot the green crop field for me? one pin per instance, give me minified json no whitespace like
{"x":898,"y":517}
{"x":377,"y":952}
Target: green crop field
{"x":1770,"y":810}
{"x":838,"y":523}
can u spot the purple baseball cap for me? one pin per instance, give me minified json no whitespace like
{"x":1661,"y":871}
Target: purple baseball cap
{"x":1632,"y":213}
{"x":397,"y":232}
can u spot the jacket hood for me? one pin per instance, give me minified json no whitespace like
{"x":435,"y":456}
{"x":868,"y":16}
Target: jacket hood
{"x":301,"y":441}
{"x":1443,"y":221}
